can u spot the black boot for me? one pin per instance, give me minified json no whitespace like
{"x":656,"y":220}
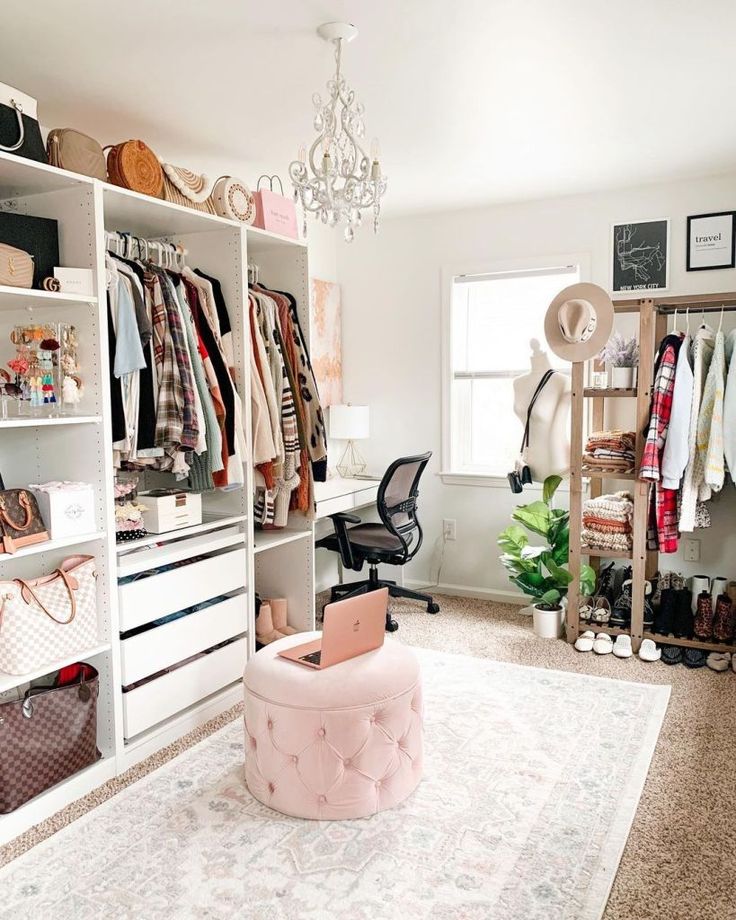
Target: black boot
{"x":663,"y":619}
{"x":683,"y":619}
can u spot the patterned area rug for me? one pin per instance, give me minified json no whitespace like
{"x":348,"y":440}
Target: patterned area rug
{"x":532,"y":779}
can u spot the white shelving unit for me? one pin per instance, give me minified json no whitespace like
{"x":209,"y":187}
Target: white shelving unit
{"x":224,"y":557}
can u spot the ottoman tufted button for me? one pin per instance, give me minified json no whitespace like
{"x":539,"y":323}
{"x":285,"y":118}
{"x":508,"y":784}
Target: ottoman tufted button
{"x":294,"y":758}
{"x":321,"y":732}
{"x":270,"y":724}
{"x":271,"y":788}
{"x":322,"y":799}
{"x":253,"y":743}
{"x":372,"y":719}
{"x":378,"y":784}
{"x":347,"y":762}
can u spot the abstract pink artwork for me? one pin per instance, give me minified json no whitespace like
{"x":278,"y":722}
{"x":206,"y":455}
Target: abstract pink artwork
{"x":326,"y":340}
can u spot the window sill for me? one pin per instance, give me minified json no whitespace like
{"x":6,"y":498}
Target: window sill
{"x":489,"y":481}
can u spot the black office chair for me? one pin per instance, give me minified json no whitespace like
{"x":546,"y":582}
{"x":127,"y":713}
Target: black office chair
{"x":394,"y":541}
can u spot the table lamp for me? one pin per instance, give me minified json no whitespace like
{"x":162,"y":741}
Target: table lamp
{"x":349,"y":423}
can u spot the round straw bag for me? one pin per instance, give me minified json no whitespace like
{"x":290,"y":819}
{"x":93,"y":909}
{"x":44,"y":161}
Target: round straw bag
{"x":135,"y":166}
{"x":232,"y":198}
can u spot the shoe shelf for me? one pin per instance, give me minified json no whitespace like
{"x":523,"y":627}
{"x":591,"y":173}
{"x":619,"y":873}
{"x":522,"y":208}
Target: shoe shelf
{"x":691,"y":643}
{"x":599,"y":628}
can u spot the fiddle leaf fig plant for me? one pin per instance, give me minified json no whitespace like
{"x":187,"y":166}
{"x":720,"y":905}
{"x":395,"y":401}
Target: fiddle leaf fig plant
{"x":541,"y":570}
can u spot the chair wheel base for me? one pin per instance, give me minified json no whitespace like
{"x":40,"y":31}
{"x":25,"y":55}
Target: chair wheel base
{"x":391,"y":625}
{"x":433,"y":608}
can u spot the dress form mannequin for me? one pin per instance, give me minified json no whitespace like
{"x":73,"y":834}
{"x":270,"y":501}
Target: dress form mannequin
{"x":548,"y":453}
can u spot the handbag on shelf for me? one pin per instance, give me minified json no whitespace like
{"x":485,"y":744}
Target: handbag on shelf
{"x":37,"y":236}
{"x":133,"y":165}
{"x":76,"y":152}
{"x":21,"y":523}
{"x":233,"y":199}
{"x":275,"y":212}
{"x":44,"y":619}
{"x":20,"y":132}
{"x":48,"y":734}
{"x":183,"y":187}
{"x":16,"y":267}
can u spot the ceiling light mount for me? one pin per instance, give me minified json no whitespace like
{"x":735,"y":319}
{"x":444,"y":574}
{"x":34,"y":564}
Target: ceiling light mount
{"x":336,"y":180}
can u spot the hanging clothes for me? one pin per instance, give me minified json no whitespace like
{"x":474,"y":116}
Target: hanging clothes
{"x":703,"y":344}
{"x":675,"y":454}
{"x":662,"y":531}
{"x":729,"y":407}
{"x":710,"y":422}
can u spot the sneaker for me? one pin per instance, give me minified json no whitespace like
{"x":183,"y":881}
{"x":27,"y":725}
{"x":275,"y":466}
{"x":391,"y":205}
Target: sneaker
{"x":723,"y":619}
{"x":719,"y":661}
{"x":695,"y":658}
{"x":682,"y":618}
{"x":622,"y":647}
{"x":672,"y":654}
{"x":703,"y":626}
{"x":602,"y":613}
{"x":648,"y":651}
{"x":621,"y":614}
{"x":605,"y":581}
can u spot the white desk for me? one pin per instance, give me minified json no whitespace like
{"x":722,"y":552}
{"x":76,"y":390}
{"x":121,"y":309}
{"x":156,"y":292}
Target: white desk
{"x":339,"y":494}
{"x":348,"y":495}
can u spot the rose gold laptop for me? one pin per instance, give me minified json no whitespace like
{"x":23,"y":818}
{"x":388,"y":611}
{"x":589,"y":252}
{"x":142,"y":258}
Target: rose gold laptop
{"x":351,"y":627}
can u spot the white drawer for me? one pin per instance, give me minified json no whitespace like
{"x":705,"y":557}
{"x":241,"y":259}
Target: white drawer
{"x":162,"y":698}
{"x":335,"y":505}
{"x":159,"y":595}
{"x":365,"y":497}
{"x":164,"y":645}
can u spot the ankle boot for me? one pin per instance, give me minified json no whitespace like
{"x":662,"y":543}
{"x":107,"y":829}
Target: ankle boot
{"x":703,"y":627}
{"x":265,"y":633}
{"x":731,"y":591}
{"x":663,"y":618}
{"x":278,"y":613}
{"x":723,"y":619}
{"x":682,"y":618}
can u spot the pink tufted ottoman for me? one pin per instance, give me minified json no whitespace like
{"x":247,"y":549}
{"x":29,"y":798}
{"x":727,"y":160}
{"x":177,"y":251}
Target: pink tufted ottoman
{"x":340,"y":743}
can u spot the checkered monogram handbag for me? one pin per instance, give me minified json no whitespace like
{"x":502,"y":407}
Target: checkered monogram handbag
{"x":47,"y":734}
{"x":48,"y":618}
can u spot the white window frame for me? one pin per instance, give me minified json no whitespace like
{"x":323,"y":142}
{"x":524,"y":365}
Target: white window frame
{"x":581,"y":260}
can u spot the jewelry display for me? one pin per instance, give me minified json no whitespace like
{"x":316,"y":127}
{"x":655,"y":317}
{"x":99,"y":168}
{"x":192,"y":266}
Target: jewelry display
{"x":46,"y":369}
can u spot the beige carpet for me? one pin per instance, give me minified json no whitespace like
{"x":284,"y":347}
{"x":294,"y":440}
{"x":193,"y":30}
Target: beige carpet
{"x":680,"y":860}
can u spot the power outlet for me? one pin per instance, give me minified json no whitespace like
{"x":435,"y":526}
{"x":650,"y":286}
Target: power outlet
{"x":691,"y":550}
{"x":449,"y":529}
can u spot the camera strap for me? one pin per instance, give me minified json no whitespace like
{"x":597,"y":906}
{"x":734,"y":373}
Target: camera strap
{"x":540,"y":386}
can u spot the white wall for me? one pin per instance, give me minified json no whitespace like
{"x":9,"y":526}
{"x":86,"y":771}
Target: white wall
{"x":391,"y":344}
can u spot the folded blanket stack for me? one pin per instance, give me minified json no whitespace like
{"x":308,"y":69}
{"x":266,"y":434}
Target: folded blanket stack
{"x":610,"y":451}
{"x":607,"y":522}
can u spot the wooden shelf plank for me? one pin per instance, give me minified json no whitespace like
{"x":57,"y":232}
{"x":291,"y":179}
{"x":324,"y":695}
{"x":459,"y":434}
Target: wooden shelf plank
{"x":604,"y":474}
{"x":598,"y":628}
{"x":605,"y":553}
{"x":608,"y":392}
{"x":690,"y":643}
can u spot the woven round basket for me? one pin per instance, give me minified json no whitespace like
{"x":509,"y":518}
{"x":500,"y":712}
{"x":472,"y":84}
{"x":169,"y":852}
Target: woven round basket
{"x":135,"y":166}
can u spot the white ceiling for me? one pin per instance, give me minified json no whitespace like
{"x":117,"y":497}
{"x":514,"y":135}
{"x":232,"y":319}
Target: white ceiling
{"x":474,"y":101}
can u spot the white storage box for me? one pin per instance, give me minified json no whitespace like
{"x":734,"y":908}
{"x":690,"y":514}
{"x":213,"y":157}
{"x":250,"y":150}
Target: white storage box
{"x":67,"y":508}
{"x":170,"y":509}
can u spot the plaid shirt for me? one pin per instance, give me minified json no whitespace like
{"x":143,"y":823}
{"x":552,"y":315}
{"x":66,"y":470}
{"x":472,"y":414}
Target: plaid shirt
{"x":170,"y":401}
{"x":662,"y":531}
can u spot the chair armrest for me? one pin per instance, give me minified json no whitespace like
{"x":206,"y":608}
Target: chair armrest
{"x":341,"y":520}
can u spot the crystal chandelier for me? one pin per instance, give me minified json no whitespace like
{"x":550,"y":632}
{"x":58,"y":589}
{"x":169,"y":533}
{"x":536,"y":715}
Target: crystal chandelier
{"x":337,"y":181}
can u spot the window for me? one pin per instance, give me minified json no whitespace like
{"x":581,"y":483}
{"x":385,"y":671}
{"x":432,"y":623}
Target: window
{"x":492,"y":320}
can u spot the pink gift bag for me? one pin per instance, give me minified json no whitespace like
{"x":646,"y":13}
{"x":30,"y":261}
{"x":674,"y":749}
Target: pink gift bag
{"x":274,"y":211}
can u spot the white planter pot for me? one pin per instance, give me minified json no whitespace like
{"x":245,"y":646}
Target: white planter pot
{"x":623,"y":378}
{"x":548,"y":623}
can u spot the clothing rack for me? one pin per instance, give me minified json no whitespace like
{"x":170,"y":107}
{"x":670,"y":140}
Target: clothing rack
{"x":653,"y":314}
{"x":161,"y":252}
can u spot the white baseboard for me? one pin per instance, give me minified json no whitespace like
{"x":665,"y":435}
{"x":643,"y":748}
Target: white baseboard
{"x":499,"y":595}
